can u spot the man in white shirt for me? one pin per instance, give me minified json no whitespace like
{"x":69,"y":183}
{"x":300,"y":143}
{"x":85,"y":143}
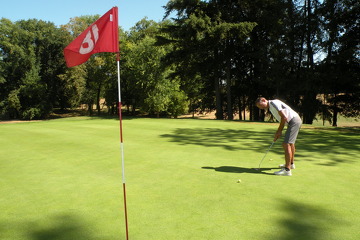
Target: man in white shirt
{"x":286,"y":116}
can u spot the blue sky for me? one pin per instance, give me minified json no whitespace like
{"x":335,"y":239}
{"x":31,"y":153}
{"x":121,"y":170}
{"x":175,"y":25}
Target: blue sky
{"x":60,"y":11}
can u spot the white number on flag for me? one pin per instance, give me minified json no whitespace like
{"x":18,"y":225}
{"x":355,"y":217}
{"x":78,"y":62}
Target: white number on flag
{"x":88,"y":44}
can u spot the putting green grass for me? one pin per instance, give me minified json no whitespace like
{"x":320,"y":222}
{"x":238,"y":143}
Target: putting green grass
{"x":61,"y":180}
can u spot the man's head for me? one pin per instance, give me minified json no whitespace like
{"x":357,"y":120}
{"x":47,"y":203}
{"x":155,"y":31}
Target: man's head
{"x":262,"y":103}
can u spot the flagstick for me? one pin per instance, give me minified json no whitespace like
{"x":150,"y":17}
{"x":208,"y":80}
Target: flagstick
{"x":122,"y":147}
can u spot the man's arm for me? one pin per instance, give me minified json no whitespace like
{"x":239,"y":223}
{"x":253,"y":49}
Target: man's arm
{"x":281,"y":126}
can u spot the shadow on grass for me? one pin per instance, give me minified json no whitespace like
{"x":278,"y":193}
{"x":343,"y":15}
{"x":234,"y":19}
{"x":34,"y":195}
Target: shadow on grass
{"x":305,"y":221}
{"x":336,"y":145}
{"x":232,"y":169}
{"x":228,"y":139}
{"x":333,"y":145}
{"x":61,"y":228}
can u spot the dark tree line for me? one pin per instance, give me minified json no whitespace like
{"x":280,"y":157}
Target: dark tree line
{"x":306,"y":52}
{"x":215,"y":55}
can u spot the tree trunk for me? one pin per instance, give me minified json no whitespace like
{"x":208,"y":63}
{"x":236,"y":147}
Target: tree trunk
{"x":90,"y":108}
{"x":230,"y":115}
{"x":334,"y":120}
{"x":219,"y":109}
{"x":310,"y":53}
{"x":240,"y":107}
{"x":98,"y":99}
{"x":335,"y":112}
{"x":309,"y":101}
{"x":292,"y":36}
{"x":244,"y":106}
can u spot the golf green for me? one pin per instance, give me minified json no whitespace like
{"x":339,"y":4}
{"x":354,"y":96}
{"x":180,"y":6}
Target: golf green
{"x":61,"y":180}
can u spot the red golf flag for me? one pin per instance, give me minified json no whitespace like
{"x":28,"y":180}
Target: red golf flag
{"x":101,"y":36}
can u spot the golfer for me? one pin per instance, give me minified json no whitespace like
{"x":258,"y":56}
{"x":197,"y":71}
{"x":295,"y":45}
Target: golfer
{"x":286,"y":116}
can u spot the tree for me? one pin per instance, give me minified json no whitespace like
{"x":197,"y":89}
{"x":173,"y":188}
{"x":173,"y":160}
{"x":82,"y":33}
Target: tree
{"x":262,"y":59}
{"x":31,"y":60}
{"x":204,"y":39}
{"x":213,"y":55}
{"x":340,"y":69}
{"x":71,"y":87}
{"x":147,"y":86}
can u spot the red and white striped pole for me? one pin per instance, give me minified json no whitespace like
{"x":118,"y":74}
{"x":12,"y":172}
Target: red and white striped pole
{"x":122,"y":148}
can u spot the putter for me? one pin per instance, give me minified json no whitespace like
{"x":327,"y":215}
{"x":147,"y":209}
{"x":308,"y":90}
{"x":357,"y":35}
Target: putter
{"x":257,"y":169}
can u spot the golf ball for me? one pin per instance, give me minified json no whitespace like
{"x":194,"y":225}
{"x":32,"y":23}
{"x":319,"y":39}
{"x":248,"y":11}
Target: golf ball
{"x":270,"y":159}
{"x":239,"y":181}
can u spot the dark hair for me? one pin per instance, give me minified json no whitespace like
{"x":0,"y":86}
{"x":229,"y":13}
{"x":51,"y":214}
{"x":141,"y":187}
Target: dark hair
{"x":258,"y":100}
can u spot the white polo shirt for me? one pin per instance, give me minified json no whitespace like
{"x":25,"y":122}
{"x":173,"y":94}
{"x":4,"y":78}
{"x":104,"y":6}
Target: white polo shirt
{"x":276,"y":105}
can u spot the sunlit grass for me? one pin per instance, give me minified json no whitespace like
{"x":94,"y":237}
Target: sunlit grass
{"x":61,"y":179}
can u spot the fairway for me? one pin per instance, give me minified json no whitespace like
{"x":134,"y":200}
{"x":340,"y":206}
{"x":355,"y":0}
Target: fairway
{"x":61,"y":180}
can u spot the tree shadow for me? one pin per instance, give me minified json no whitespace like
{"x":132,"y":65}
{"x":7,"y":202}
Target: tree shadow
{"x":333,"y":145}
{"x":64,"y":227}
{"x":305,"y":221}
{"x":229,"y":139}
{"x":232,"y":169}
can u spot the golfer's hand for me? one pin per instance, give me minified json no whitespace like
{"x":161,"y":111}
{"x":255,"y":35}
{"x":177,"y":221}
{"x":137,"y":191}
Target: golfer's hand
{"x":277,"y":135}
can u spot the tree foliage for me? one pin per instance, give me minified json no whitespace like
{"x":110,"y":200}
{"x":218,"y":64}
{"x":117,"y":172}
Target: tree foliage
{"x":148,"y":86}
{"x":276,"y":56}
{"x":30,"y":61}
{"x":213,"y":55}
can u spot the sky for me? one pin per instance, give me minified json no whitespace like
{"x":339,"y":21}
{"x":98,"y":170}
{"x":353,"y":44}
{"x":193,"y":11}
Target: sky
{"x":60,"y":11}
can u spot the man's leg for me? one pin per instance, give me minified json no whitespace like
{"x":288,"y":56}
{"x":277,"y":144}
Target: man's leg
{"x":289,"y":156}
{"x":289,"y":145}
{"x":289,"y":140}
{"x":293,"y":149}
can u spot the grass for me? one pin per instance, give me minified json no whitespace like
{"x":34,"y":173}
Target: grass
{"x":342,"y":122}
{"x":61,"y":180}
